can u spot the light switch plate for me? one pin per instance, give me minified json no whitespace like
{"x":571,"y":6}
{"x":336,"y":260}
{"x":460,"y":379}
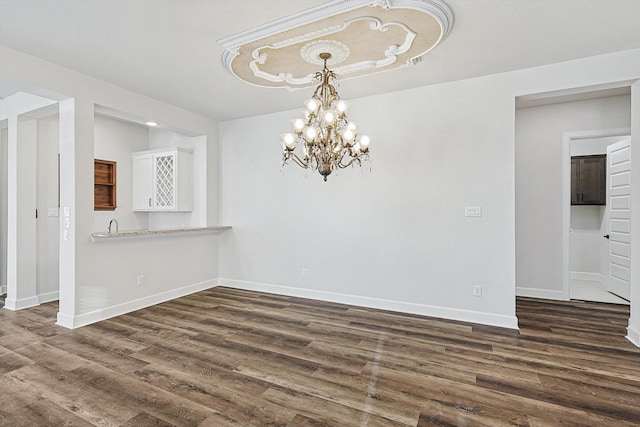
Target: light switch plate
{"x":473,"y":211}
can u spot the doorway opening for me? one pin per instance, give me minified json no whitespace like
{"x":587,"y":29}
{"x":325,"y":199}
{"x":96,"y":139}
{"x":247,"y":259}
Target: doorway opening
{"x":29,"y":201}
{"x":599,"y":228}
{"x":545,"y":125}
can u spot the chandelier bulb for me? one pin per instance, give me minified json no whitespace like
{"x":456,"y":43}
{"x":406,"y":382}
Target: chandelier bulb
{"x":288,"y":141}
{"x":363,"y":142}
{"x":311,"y":132}
{"x":348,"y":136}
{"x":298,"y":125}
{"x":329,"y":117}
{"x":312,"y":105}
{"x":342,"y":106}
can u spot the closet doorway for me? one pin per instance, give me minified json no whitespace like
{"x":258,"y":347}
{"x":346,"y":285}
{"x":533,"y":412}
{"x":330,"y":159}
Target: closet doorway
{"x":599,"y":226}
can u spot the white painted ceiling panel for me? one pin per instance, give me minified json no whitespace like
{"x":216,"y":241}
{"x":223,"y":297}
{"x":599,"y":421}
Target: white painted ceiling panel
{"x":168,"y":50}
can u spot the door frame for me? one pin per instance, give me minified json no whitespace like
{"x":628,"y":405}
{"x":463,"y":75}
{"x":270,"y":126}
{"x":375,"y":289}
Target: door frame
{"x":567,"y":138}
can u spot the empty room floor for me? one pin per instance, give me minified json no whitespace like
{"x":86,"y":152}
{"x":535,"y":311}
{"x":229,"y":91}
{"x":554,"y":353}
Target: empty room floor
{"x":225,"y":357}
{"x":592,"y":290}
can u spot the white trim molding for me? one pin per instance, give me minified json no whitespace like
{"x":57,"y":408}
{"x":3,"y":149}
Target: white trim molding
{"x":540,"y":293}
{"x":84,"y":319}
{"x":448,"y":313}
{"x":633,"y":336}
{"x":48,"y":297}
{"x":19,"y":304}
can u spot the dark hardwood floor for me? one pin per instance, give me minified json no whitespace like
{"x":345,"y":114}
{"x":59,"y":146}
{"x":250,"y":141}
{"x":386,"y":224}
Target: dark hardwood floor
{"x":226,"y":357}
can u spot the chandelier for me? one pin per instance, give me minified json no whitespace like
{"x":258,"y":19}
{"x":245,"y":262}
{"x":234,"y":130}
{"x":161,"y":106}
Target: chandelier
{"x":327,"y":140}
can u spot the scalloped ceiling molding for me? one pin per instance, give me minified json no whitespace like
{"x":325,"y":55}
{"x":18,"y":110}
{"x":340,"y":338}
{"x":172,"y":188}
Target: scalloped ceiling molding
{"x":363,"y":37}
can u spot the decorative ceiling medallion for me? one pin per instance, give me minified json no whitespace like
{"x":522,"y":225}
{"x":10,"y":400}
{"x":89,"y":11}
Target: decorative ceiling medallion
{"x":362,"y":36}
{"x":311,"y":51}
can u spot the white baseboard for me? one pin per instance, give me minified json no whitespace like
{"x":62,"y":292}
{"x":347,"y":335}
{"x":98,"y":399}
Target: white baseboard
{"x":48,"y":297}
{"x":581,"y":275}
{"x":64,"y":320}
{"x":19,"y":304}
{"x":71,"y":322}
{"x":3,"y":289}
{"x":633,"y":336}
{"x":383,"y":304}
{"x":539,"y":293}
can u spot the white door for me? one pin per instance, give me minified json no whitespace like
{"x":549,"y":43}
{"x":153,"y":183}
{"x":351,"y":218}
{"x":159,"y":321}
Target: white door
{"x":619,"y":210}
{"x":142,"y":183}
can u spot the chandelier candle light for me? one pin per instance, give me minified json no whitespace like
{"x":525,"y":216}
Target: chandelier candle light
{"x":328,"y":139}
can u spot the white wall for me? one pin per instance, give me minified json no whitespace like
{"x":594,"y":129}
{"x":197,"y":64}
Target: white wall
{"x":393,"y":238}
{"x":591,"y":146}
{"x":21,"y":261}
{"x":397,"y":238}
{"x":47,"y":227}
{"x":539,"y":147}
{"x":586,"y":242}
{"x":115,"y":140}
{"x":98,"y":280}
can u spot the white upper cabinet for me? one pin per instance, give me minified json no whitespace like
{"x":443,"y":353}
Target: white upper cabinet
{"x":162,"y":180}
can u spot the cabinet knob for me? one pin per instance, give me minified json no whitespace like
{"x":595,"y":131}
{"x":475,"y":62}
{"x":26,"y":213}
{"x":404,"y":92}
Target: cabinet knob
{"x":606,"y":236}
{"x":149,"y":201}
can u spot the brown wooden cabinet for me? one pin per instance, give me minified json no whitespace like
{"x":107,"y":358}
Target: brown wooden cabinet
{"x":104,"y":185}
{"x":589,"y":180}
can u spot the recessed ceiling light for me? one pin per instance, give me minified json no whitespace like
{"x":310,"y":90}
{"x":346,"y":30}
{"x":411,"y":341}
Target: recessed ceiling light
{"x":152,"y":124}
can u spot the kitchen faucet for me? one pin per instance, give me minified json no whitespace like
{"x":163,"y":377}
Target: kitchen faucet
{"x":110,"y":223}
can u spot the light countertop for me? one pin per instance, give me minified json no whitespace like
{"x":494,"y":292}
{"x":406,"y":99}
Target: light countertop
{"x":103,"y":236}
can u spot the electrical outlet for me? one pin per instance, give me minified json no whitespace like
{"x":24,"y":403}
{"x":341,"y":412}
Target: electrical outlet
{"x":304,"y":273}
{"x":141,"y":280}
{"x":473,"y":211}
{"x":477,"y":291}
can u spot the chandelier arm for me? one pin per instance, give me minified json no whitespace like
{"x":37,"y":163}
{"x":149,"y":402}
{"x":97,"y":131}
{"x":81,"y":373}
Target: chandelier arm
{"x":342,"y":156}
{"x":353,"y":160}
{"x":297,"y":160}
{"x":317,"y":94}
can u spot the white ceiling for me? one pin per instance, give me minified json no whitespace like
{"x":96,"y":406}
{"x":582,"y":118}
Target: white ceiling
{"x":168,"y":50}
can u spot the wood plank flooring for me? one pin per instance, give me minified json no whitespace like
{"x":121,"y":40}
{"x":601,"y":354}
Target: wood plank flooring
{"x":226,"y":357}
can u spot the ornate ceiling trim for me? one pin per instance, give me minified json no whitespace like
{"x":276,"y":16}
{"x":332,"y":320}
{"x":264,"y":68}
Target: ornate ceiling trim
{"x":363,"y":37}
